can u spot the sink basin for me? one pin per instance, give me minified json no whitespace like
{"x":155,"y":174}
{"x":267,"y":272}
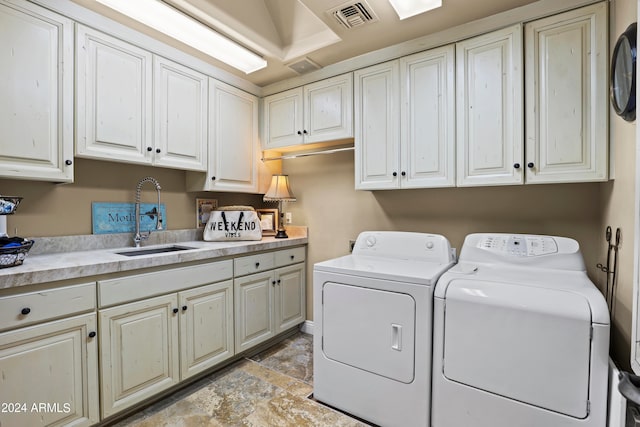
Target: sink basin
{"x":150,"y":251}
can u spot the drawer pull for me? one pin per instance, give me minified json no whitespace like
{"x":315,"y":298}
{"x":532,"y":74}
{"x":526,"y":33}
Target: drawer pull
{"x":25,"y":311}
{"x":293,"y":257}
{"x":184,"y":308}
{"x":257,"y":264}
{"x":92,"y":334}
{"x":175,"y":311}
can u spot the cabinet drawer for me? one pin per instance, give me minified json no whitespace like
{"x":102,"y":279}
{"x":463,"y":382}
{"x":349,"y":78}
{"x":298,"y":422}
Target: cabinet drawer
{"x":253,"y":264}
{"x":45,"y":305}
{"x":131,"y":288}
{"x":290,"y":256}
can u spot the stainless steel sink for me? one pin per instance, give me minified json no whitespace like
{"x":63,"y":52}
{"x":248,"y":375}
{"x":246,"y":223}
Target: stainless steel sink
{"x":150,"y":251}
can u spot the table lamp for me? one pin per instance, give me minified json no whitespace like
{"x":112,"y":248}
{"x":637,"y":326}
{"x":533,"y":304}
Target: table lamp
{"x":279,"y":191}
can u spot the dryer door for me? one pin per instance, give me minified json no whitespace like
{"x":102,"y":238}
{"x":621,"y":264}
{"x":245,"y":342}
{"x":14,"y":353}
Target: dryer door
{"x":525,"y":343}
{"x":369,"y":329}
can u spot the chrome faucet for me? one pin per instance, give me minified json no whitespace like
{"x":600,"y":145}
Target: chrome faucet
{"x":156,"y":211}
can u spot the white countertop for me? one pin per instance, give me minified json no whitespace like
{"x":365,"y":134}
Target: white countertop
{"x":43,"y":268}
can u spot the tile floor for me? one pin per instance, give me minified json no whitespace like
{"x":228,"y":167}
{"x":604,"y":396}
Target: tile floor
{"x":268,"y":389}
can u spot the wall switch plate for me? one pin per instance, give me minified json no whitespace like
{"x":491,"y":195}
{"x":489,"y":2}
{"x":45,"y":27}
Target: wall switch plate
{"x":288,"y":218}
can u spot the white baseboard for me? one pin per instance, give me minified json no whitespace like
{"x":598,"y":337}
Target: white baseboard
{"x":307,"y":327}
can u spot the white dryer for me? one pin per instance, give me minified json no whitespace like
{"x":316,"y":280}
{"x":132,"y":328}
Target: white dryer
{"x":372,"y":326}
{"x":521,"y":336}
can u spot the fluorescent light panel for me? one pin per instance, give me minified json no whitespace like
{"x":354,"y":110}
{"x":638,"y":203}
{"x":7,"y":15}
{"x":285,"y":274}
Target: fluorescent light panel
{"x":408,"y":8}
{"x":169,"y":21}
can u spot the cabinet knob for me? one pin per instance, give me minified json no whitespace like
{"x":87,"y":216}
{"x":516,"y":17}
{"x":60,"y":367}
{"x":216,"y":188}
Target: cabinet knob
{"x":149,"y":149}
{"x":175,"y":311}
{"x":184,"y":308}
{"x":257,"y":264}
{"x":305,"y":131}
{"x":158,"y":150}
{"x":213,"y":178}
{"x":25,"y":311}
{"x":68,"y":162}
{"x":395,"y":174}
{"x":516,"y":165}
{"x":92,"y":334}
{"x":273,"y":283}
{"x":293,"y":256}
{"x":299,"y":133}
{"x":403,"y":173}
{"x":530,"y":165}
{"x":279,"y":281}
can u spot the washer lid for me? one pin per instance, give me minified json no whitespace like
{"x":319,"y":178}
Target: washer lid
{"x":525,"y":343}
{"x":409,"y":271}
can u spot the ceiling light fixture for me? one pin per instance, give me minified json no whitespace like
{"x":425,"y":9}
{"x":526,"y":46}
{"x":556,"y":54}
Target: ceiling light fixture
{"x":408,"y":8}
{"x":171,"y":22}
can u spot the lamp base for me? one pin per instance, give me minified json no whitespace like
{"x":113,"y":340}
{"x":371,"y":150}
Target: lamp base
{"x":282,"y":234}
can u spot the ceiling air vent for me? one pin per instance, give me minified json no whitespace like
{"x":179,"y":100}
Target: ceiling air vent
{"x":354,"y":14}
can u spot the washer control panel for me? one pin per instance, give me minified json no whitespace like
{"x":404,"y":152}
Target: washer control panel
{"x":518,"y":245}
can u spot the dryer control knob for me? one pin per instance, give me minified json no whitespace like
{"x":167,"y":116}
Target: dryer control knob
{"x":371,"y":240}
{"x":429,"y":245}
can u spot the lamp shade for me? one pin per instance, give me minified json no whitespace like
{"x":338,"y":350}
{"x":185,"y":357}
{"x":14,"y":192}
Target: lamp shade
{"x":279,"y":190}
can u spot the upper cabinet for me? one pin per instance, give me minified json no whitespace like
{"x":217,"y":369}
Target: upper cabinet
{"x":180,"y":116}
{"x":114,"y":99}
{"x":427,"y":119}
{"x":566,"y":102}
{"x":489,"y":108}
{"x":36,"y":93}
{"x":321,"y":111}
{"x":116,"y":118}
{"x":233,"y":142}
{"x":405,"y":122}
{"x":377,"y":134}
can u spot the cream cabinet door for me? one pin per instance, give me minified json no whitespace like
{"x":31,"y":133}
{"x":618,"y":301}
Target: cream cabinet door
{"x":489,"y":109}
{"x":427,"y":146}
{"x":328,"y":109}
{"x":290,"y":303}
{"x":253,"y":296}
{"x":206,"y":327}
{"x":36,"y":93}
{"x":377,"y":126}
{"x":180,"y":116}
{"x":138,"y":350}
{"x":114,"y":99}
{"x":233,"y":139}
{"x":567,"y":104}
{"x":49,"y":374}
{"x":283,"y":121}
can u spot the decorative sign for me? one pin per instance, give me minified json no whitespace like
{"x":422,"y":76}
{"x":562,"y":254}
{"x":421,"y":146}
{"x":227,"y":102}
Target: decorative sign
{"x":120,"y":217}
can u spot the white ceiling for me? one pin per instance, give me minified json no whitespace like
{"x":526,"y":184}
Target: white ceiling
{"x":285,"y":31}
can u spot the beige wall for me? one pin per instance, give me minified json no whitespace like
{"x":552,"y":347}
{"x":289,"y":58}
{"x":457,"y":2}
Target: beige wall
{"x":334,"y":212}
{"x":618,"y":202}
{"x":65,"y":209}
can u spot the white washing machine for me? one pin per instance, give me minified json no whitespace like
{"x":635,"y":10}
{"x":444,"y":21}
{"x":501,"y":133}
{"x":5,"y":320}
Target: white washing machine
{"x":372,"y":326}
{"x":521,"y":337}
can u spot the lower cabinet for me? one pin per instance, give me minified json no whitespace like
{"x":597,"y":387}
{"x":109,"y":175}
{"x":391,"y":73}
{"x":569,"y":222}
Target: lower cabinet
{"x":49,"y":374}
{"x":138,"y":351}
{"x":268,"y":303}
{"x":160,"y":328}
{"x":206,"y":327}
{"x":151,"y":345}
{"x":65,"y":360}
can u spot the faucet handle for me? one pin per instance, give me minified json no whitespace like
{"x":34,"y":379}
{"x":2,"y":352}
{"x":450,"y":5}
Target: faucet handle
{"x":159,"y":221}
